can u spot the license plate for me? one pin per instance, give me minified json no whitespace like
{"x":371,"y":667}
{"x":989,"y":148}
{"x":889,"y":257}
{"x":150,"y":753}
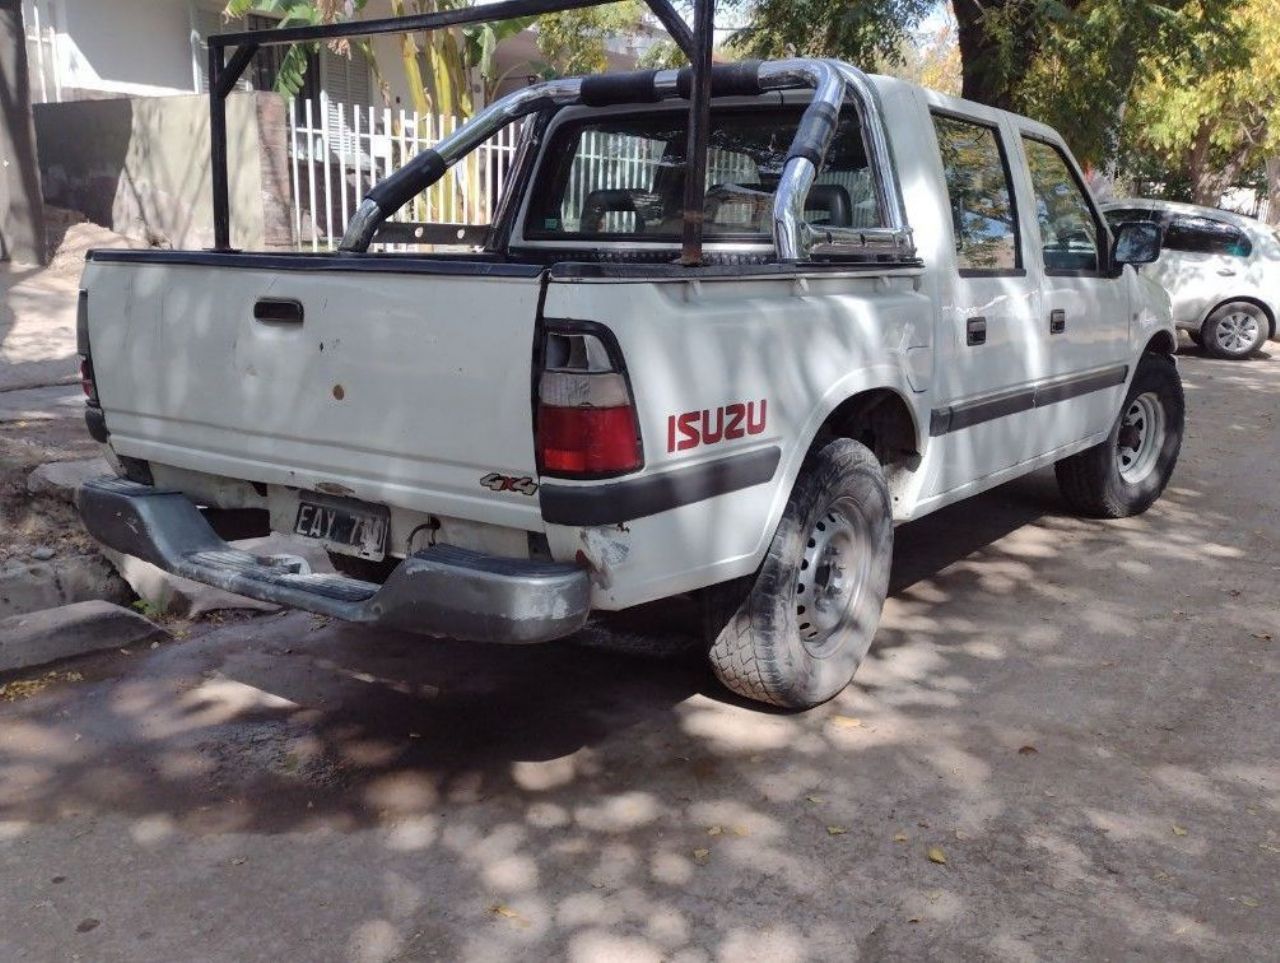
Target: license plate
{"x":356,"y":526}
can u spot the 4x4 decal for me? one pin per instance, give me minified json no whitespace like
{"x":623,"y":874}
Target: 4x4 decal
{"x":509,"y":483}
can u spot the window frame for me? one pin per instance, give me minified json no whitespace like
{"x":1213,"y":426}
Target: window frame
{"x":1019,"y":270}
{"x":1104,"y":237}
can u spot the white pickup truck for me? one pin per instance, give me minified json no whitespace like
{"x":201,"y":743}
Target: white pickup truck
{"x":906,"y":299}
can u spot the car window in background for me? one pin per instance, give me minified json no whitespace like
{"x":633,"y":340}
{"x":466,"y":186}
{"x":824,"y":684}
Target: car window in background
{"x":1119,"y":215}
{"x":1204,"y":235}
{"x":982,"y":211}
{"x":1068,"y":230}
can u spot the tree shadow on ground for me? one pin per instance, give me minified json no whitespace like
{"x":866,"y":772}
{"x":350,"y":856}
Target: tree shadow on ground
{"x":1042,"y":705}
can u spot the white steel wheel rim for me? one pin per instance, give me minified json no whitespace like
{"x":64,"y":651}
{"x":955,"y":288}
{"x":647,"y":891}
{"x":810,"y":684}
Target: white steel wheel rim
{"x":833,"y":573}
{"x":1237,"y":332}
{"x":1142,"y":431}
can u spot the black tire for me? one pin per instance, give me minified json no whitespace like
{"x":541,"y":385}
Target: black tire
{"x":766,"y":643}
{"x":1125,"y":474}
{"x":1235,"y":331}
{"x":1196,"y":338}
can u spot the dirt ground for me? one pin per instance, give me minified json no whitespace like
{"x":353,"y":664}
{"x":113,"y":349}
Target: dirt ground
{"x":1062,"y":746}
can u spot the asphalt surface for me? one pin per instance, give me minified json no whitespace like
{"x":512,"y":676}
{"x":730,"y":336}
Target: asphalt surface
{"x":1079,"y":717}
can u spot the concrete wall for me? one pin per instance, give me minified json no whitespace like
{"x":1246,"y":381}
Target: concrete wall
{"x":140,"y":166}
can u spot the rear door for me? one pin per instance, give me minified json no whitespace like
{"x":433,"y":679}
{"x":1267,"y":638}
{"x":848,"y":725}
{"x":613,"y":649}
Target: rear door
{"x":990,"y":343}
{"x":404,"y":383}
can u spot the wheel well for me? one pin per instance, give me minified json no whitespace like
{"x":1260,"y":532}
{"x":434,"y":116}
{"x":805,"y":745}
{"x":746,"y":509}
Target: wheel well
{"x":882,"y":421}
{"x":1162,"y":342}
{"x":1256,"y":302}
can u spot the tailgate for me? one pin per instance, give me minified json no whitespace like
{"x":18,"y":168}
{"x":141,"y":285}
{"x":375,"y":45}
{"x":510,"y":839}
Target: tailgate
{"x":401,"y":388}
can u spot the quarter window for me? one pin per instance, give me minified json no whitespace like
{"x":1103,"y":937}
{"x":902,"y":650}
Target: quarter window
{"x":982,"y":211}
{"x":1203,"y":235}
{"x":1068,"y":230}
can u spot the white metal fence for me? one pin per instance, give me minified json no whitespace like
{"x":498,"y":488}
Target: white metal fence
{"x":338,"y":151}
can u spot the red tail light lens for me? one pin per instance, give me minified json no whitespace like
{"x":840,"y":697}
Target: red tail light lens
{"x":87,"y":383}
{"x":588,"y":441}
{"x":587,"y":425}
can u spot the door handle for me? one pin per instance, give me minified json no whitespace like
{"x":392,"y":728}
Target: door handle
{"x":1227,"y":272}
{"x":1057,"y":321}
{"x":280,"y":310}
{"x":975,"y":330}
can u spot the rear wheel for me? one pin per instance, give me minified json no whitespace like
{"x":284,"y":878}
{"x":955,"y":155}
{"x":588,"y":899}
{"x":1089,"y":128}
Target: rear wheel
{"x":1235,"y":331}
{"x":794,"y":634}
{"x":1125,"y":474}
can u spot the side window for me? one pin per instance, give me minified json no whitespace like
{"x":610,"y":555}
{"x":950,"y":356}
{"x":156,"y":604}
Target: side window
{"x":1068,"y":230}
{"x":1203,"y":235}
{"x":982,"y":210}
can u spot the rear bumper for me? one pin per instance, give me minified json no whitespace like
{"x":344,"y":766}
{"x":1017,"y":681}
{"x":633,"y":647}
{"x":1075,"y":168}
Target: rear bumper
{"x":444,"y":591}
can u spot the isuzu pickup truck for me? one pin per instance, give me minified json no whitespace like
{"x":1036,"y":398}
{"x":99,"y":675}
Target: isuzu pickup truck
{"x":905,"y":299}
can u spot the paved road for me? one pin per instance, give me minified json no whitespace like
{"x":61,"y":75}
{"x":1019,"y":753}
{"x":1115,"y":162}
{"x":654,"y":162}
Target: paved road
{"x":1079,"y":717}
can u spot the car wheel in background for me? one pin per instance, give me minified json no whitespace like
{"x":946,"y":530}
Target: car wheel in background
{"x":1125,"y":474}
{"x":1235,"y":330}
{"x":794,"y":633}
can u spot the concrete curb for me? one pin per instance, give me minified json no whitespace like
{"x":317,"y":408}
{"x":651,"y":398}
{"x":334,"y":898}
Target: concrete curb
{"x":51,"y":634}
{"x":33,"y":586}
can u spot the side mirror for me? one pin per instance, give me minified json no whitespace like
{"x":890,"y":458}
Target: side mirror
{"x":1137,"y":242}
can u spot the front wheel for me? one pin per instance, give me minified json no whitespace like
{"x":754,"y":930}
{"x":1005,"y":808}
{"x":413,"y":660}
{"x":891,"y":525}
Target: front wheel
{"x":1125,"y":474}
{"x":1235,"y":331}
{"x":794,"y":634}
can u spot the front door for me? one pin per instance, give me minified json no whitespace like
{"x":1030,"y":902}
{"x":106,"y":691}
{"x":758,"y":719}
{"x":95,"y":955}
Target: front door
{"x":1085,"y":311}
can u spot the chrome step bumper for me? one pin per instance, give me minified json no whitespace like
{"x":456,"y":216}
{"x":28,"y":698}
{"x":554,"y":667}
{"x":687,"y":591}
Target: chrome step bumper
{"x":443,"y":590}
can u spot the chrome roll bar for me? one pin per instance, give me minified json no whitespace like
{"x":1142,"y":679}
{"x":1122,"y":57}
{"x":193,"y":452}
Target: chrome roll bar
{"x":793,"y":237}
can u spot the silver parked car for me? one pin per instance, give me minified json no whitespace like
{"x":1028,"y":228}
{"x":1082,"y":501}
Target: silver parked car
{"x":1222,"y":272}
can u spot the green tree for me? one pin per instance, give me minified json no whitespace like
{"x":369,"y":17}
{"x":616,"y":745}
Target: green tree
{"x":1215,"y":123}
{"x":573,"y":42}
{"x":436,"y":64}
{"x":859,"y":31}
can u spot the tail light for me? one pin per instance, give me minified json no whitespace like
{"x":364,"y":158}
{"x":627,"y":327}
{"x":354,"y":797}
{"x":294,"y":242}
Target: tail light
{"x":587,"y":425}
{"x":87,"y":381}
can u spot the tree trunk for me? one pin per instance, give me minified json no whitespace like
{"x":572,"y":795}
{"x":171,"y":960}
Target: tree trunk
{"x":1273,"y":191}
{"x":979,"y":54}
{"x":22,"y":235}
{"x":990,"y":72}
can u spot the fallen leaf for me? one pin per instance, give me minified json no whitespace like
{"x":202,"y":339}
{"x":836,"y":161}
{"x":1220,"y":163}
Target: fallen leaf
{"x":415,"y":735}
{"x":913,"y":919}
{"x":900,"y":838}
{"x":506,"y":912}
{"x":814,"y":799}
{"x":238,"y":861}
{"x":1027,"y":750}
{"x":701,"y":854}
{"x":936,"y":855}
{"x":960,"y":835}
{"x":1268,"y":848}
{"x":714,"y":831}
{"x":1161,"y":874}
{"x":1178,"y":830}
{"x":836,"y":831}
{"x":1050,"y":793}
{"x":1250,"y":902}
{"x":846,"y":722}
{"x":1262,"y":636}
{"x":740,"y":831}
